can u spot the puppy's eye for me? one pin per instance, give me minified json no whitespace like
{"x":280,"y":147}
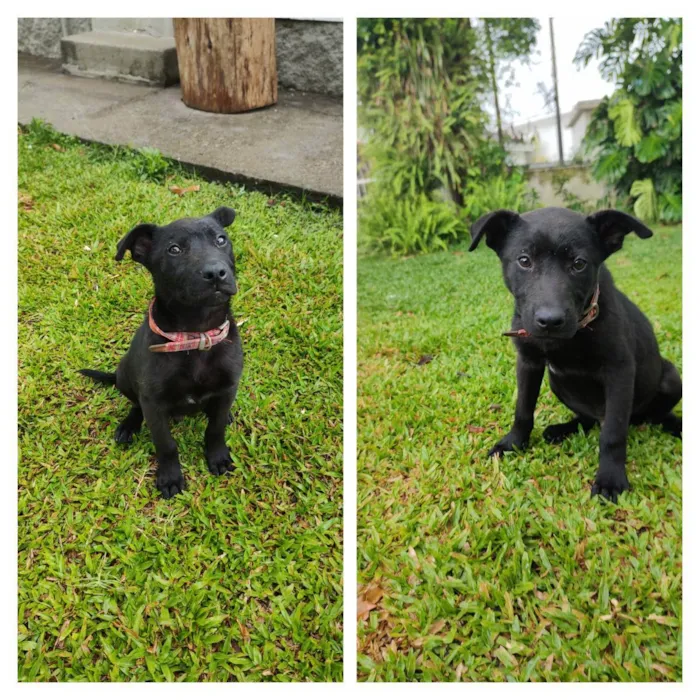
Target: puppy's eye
{"x":221,"y":240}
{"x":579,"y":264}
{"x":525,"y":262}
{"x":174,"y":249}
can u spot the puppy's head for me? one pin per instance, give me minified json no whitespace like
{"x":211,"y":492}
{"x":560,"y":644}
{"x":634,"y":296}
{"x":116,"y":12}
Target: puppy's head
{"x":191,"y":260}
{"x":550,"y":259}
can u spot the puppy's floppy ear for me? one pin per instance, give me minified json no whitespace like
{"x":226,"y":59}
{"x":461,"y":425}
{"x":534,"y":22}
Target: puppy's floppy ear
{"x":496,"y":226}
{"x":139,"y":241}
{"x":612,"y":226}
{"x":223,"y":216}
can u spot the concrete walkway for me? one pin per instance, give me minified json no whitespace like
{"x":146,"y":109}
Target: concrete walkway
{"x":296,"y":144}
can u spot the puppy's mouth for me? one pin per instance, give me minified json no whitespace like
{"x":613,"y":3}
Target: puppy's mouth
{"x":226,"y":289}
{"x":216,"y":296}
{"x":563,"y":334}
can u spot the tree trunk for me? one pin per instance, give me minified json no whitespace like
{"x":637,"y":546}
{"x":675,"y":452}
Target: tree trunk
{"x":227,"y":65}
{"x":494,"y":80}
{"x":556,"y":91}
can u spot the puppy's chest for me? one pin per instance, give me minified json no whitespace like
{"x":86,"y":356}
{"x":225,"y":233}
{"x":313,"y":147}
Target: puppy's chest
{"x":198,"y":379}
{"x":571,"y":365}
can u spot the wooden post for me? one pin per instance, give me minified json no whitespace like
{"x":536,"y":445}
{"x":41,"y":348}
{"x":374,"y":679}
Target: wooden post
{"x":227,"y":65}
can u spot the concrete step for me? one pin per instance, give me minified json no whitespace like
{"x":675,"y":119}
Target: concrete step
{"x":129,"y":57}
{"x":296,"y":144}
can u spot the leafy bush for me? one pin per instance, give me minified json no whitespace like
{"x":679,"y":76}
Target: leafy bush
{"x":422,"y":84}
{"x":149,"y":165}
{"x":501,"y":192}
{"x":43,"y":134}
{"x":406,"y":225}
{"x":421,"y":87}
{"x":635,"y":136}
{"x":146,"y":164}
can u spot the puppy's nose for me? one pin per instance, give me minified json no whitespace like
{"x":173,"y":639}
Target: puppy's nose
{"x":215,"y":273}
{"x":549,"y":318}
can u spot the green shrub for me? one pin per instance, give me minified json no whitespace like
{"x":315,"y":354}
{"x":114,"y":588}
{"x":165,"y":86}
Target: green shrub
{"x":501,"y":192}
{"x":146,"y":164}
{"x":635,"y":135}
{"x":406,"y":225}
{"x":401,"y":224}
{"x":43,"y":134}
{"x":149,"y":165}
{"x":421,"y":87}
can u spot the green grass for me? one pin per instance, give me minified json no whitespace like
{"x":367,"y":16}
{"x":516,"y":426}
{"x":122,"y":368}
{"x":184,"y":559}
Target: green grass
{"x":239,"y":578}
{"x":486,"y":569}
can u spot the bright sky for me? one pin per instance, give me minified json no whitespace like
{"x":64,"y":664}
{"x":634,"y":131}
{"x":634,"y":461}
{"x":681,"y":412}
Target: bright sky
{"x":574,"y":85}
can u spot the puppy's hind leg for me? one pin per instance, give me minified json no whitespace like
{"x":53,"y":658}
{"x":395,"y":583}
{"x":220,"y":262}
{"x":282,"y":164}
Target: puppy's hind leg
{"x":670,"y":393}
{"x":129,"y":426}
{"x":560,"y":431}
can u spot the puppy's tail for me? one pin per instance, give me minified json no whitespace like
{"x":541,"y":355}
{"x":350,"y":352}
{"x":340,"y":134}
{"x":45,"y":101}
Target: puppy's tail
{"x":101,"y":377}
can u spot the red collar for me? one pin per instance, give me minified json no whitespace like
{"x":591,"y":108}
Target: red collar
{"x":184,"y":340}
{"x":590,"y":315}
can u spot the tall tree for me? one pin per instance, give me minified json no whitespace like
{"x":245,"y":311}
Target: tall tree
{"x":506,"y":40}
{"x":421,"y":85}
{"x":635,"y":135}
{"x":555,"y":83}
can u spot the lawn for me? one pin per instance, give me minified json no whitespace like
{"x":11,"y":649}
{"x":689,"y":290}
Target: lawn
{"x":240,"y":577}
{"x":484,"y":570}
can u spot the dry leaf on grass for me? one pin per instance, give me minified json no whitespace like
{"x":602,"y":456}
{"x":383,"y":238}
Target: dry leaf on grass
{"x":180,"y":191}
{"x":245,"y":634}
{"x":548,"y":663}
{"x":85,"y":646}
{"x":664,"y":620}
{"x":590,"y":525}
{"x":368,"y":599}
{"x":437,"y":626}
{"x":373,"y":594}
{"x":56,"y":147}
{"x":364,"y":607}
{"x":26,"y":201}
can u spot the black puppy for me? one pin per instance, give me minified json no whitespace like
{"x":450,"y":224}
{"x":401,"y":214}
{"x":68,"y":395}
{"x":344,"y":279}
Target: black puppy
{"x":600,"y":350}
{"x":187,"y":354}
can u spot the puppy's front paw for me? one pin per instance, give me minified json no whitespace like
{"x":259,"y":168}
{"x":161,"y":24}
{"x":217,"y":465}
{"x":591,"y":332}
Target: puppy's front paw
{"x":170,"y":481}
{"x":557,"y":433}
{"x":219,"y":461}
{"x":610,"y":484}
{"x":509,"y":443}
{"x":124,"y":434}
